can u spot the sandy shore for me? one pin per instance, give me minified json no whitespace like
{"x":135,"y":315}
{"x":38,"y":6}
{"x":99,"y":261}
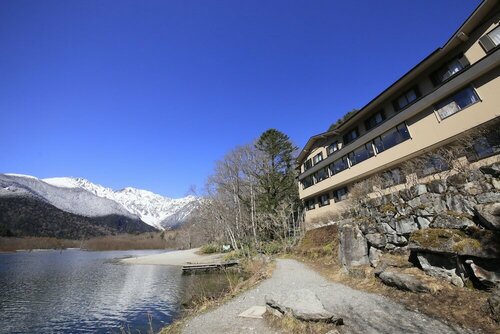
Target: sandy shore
{"x":175,"y":258}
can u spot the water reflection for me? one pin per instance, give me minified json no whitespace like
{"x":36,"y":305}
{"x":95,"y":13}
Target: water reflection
{"x":81,"y":292}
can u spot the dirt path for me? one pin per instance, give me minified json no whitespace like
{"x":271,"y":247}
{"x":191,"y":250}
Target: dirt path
{"x":175,"y":258}
{"x":362,"y":312}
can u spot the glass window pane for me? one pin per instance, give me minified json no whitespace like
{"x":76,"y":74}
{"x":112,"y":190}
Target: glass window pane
{"x":411,"y":96}
{"x":379,"y":145}
{"x":495,"y":35}
{"x":402,"y":102}
{"x":448,"y":109}
{"x":465,"y":98}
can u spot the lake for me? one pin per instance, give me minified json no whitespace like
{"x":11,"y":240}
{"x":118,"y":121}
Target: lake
{"x":76,"y":291}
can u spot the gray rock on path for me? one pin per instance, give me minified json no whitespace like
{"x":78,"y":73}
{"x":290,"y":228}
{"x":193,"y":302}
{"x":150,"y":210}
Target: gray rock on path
{"x":302,"y":304}
{"x":449,"y":221}
{"x":404,"y":281}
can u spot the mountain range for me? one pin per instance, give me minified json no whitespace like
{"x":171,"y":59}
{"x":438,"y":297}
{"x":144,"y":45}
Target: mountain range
{"x":87,"y":200}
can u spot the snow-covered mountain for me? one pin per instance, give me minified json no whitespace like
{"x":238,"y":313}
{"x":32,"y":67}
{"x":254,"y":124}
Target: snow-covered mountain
{"x":153,"y":209}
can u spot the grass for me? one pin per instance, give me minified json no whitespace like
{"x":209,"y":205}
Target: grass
{"x":209,"y":248}
{"x":256,"y":270}
{"x":291,"y":325}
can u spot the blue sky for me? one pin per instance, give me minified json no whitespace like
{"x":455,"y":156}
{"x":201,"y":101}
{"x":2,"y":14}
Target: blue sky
{"x":151,"y":93}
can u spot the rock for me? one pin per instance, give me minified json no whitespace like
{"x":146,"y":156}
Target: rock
{"x":437,"y":186}
{"x":456,"y":180}
{"x":423,"y":222}
{"x":490,"y":197}
{"x":415,"y":203}
{"x":472,"y":188}
{"x":368,"y":226}
{"x":396,"y":240}
{"x":404,"y":281}
{"x":489,"y":215}
{"x":494,"y":304}
{"x":376,"y":239}
{"x":419,"y":189}
{"x":406,"y":226}
{"x":495,"y":183}
{"x":487,"y":278}
{"x":353,"y":246}
{"x":433,"y":202}
{"x":385,"y":228}
{"x":374,"y":256}
{"x":459,"y":203}
{"x":493,"y":170}
{"x":479,"y":243}
{"x":451,"y":221}
{"x":304,"y":305}
{"x":440,"y":266}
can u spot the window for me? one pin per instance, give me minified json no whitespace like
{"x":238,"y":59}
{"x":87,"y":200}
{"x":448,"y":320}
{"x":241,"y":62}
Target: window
{"x":340,"y":194}
{"x":449,"y":70}
{"x":321,"y":175}
{"x":310,"y":204}
{"x":350,"y":136}
{"x":491,"y":40}
{"x":406,"y":99}
{"x":485,"y":146}
{"x":391,"y":138}
{"x":317,"y":158}
{"x":324,"y":200}
{"x":432,"y":164}
{"x":392,"y":177}
{"x":339,"y":165}
{"x":361,"y":154}
{"x":374,"y":120}
{"x":307,"y":164}
{"x":457,"y":102}
{"x":334,"y":147}
{"x":307,"y":181}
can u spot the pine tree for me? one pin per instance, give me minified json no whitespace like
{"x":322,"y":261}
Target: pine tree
{"x":277,"y":175}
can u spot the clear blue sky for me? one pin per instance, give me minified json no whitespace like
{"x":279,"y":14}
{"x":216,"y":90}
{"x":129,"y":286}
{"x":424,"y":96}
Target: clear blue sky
{"x":151,"y":93}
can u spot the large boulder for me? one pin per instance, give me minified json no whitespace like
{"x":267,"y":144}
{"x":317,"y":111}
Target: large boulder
{"x":302,"y":304}
{"x":488,"y":278}
{"x":452,"y":221}
{"x":353,"y":246}
{"x":476,"y":243}
{"x":437,"y":186}
{"x":374,"y":256}
{"x":433,"y":203}
{"x":440,"y":266}
{"x":404,"y":281}
{"x":489,"y":215}
{"x":489,"y":197}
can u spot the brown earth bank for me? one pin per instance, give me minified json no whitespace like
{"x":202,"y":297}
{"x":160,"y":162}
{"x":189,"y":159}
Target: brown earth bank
{"x":152,"y":240}
{"x":465,"y":306}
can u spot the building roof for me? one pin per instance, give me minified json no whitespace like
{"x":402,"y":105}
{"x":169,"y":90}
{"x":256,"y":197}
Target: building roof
{"x":461,"y":35}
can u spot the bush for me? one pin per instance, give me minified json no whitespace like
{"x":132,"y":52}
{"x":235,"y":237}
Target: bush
{"x":209,"y":248}
{"x":272,"y":247}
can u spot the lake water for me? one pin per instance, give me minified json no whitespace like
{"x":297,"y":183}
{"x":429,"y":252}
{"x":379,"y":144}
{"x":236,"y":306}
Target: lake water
{"x":77,"y":291}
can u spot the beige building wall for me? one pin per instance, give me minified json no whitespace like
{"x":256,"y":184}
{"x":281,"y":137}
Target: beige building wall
{"x":426,"y":129}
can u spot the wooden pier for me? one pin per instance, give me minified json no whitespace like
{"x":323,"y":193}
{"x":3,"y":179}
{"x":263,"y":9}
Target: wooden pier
{"x":201,"y":267}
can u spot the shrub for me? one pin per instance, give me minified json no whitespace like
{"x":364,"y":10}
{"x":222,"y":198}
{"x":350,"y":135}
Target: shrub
{"x":209,"y":248}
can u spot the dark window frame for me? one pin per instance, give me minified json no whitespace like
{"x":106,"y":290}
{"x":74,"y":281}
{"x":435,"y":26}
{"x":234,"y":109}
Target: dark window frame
{"x":325,"y":170}
{"x":487,"y":42}
{"x":403,"y":136}
{"x":347,"y":138}
{"x":453,"y":98}
{"x":310,"y":204}
{"x":304,"y":186}
{"x":308,"y":164}
{"x":367,"y":148}
{"x":370,"y":124}
{"x":417,"y":93}
{"x":342,"y":197}
{"x":345,"y":161}
{"x":322,"y":202}
{"x":314,"y":162}
{"x":335,"y":144}
{"x":437,"y":76}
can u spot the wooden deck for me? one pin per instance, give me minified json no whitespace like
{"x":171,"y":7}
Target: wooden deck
{"x":200,"y":267}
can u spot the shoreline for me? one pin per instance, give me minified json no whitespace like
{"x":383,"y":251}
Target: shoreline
{"x":175,"y":258}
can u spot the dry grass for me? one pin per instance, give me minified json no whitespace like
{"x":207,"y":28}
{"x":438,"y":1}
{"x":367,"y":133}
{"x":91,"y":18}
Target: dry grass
{"x":30,"y":243}
{"x":153,"y":240}
{"x":462,"y":306}
{"x":290,"y":325}
{"x":256,"y":269}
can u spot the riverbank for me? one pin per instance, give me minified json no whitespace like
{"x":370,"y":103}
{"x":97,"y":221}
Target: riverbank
{"x":176,"y":258}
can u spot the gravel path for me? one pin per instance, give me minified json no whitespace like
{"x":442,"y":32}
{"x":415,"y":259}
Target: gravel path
{"x":362,"y":312}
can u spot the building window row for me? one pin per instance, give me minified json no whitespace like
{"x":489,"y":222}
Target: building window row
{"x":324,"y":199}
{"x":387,"y":140}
